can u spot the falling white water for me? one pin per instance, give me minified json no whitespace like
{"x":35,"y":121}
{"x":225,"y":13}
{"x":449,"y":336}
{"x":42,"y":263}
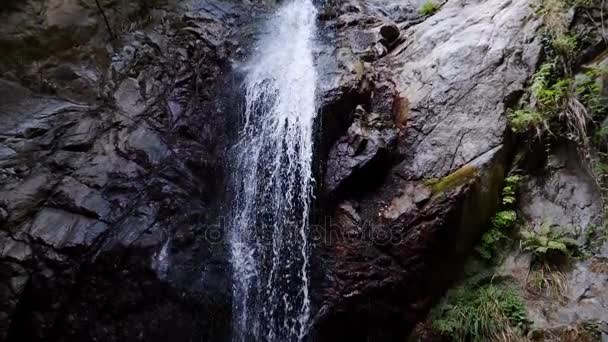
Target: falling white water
{"x":160,"y":260}
{"x":273,"y":182}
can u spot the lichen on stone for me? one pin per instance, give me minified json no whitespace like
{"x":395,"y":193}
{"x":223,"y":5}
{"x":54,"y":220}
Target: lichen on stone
{"x":453,"y":180}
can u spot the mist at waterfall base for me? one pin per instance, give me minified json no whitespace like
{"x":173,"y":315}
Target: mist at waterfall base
{"x":273,"y":181}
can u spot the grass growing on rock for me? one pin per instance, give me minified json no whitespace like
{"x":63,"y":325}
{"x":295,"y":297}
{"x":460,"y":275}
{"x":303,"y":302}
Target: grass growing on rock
{"x":551,"y":249}
{"x":558,"y":108}
{"x":429,"y":8}
{"x":547,"y":281}
{"x":492,"y":311}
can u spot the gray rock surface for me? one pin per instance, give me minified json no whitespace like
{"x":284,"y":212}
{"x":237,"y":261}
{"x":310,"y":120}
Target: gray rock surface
{"x":445,"y":87}
{"x":564,"y":195}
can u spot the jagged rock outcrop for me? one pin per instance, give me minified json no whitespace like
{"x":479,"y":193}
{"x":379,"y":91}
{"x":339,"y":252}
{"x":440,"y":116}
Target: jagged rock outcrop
{"x":398,"y":228}
{"x":110,"y":169}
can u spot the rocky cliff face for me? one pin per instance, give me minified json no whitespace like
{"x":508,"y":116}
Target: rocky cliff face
{"x":111,"y":154}
{"x":112,"y":169}
{"x":432,"y":106}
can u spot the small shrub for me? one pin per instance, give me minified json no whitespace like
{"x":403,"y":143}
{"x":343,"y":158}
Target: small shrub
{"x":590,"y":92}
{"x":481,"y":313}
{"x":548,"y":243}
{"x":489,"y":242}
{"x":523,"y":120}
{"x":566,"y":45}
{"x":502,"y":222}
{"x":429,"y":8}
{"x":509,"y":191}
{"x":551,"y":94}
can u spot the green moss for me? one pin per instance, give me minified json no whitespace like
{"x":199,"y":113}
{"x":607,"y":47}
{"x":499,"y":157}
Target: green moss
{"x":429,"y":8}
{"x":454,"y":179}
{"x":481,"y":313}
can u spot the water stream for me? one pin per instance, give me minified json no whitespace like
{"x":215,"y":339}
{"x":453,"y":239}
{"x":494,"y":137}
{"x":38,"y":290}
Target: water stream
{"x":273,"y":182}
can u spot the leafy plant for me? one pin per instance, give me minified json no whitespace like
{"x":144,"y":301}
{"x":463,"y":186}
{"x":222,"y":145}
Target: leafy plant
{"x":429,"y":8}
{"x":566,"y":45}
{"x":481,"y":313}
{"x":547,"y":243}
{"x":590,"y":92}
{"x":509,"y":191}
{"x":503,"y":221}
{"x":595,"y":237}
{"x":550,"y":93}
{"x":523,"y":120}
{"x":489,"y":241}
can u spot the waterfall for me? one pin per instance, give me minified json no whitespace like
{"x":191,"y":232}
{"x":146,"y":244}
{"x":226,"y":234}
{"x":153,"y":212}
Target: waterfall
{"x":273,"y":182}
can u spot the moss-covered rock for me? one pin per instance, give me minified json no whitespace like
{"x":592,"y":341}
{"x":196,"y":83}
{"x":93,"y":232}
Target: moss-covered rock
{"x":459,"y":177}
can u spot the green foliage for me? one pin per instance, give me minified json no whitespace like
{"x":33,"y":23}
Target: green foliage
{"x":481,"y":313}
{"x":510,"y":189}
{"x":502,"y":222}
{"x":548,"y":243}
{"x":522,"y":120}
{"x":504,"y":219}
{"x":429,"y":8}
{"x":551,"y":94}
{"x":595,"y":237}
{"x":566,"y":45}
{"x":590,"y":92}
{"x":489,"y":242}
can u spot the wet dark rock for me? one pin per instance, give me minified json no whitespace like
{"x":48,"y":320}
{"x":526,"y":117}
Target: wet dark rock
{"x":77,"y":197}
{"x":355,"y":153}
{"x":81,"y":136}
{"x":3,"y":215}
{"x":96,"y":178}
{"x":61,"y":229}
{"x":390,"y":32}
